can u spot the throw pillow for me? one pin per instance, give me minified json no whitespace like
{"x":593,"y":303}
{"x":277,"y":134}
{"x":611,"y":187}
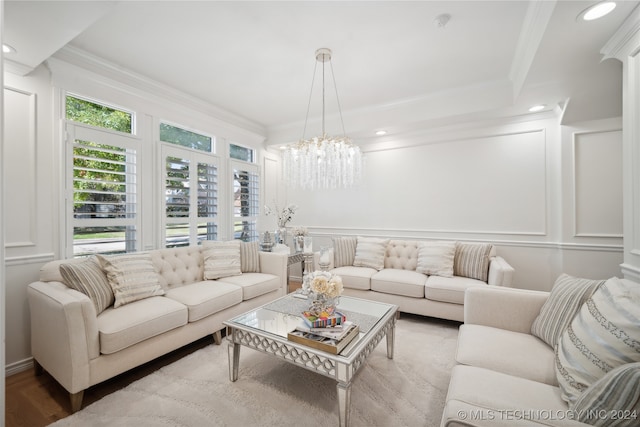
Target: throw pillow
{"x":566,"y":297}
{"x":344,"y":251}
{"x":131,"y":276}
{"x":87,"y":277}
{"x":221,"y":259}
{"x":613,"y":400}
{"x":370,"y":252}
{"x":436,"y":258}
{"x":249,"y":257}
{"x":472,"y":260}
{"x":602,"y":336}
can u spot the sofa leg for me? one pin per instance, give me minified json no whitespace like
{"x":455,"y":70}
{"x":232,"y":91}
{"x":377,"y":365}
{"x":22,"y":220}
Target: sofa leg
{"x":37,"y":368}
{"x":217,"y":337}
{"x":398,"y":315}
{"x":76,"y":401}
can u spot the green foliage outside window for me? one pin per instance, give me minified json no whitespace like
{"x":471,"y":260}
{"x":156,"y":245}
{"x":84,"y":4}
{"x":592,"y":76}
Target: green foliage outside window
{"x":93,"y":114}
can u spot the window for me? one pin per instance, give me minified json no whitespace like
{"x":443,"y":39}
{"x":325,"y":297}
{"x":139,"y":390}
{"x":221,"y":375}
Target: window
{"x":190,"y":197}
{"x":91,"y":113}
{"x":241,"y":153}
{"x":185,"y":138}
{"x":102,"y":182}
{"x":246,"y":201}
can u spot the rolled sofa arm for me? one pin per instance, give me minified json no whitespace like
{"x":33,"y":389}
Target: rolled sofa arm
{"x":504,"y":308}
{"x":500,"y":272}
{"x":64,"y":333}
{"x":275,"y":263}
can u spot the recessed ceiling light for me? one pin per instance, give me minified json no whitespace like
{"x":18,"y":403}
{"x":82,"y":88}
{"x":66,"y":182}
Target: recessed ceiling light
{"x":7,"y":49}
{"x":381,"y":132}
{"x":537,"y":108}
{"x":597,"y":10}
{"x":283,"y":147}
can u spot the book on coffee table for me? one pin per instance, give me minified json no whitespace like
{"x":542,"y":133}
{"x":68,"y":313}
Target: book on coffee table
{"x":302,"y":335}
{"x":314,"y":320}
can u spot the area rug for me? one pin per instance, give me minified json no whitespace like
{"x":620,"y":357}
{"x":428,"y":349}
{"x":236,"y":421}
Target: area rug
{"x":195,"y":391}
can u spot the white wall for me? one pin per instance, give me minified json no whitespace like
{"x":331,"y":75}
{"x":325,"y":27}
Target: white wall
{"x":548,"y":196}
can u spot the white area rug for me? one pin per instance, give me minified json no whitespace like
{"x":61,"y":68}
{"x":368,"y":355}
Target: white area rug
{"x":195,"y":391}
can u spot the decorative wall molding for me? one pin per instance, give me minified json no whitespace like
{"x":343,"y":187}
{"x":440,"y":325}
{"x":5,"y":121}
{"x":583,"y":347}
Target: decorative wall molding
{"x":29,"y":259}
{"x":17,"y":367}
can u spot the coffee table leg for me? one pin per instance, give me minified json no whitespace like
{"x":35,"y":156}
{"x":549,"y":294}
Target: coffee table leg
{"x":344,"y":402}
{"x":234,"y":360}
{"x":391,"y":333}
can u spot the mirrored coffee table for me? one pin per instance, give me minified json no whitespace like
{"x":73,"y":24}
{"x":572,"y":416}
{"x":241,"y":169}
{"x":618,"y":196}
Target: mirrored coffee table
{"x":265,"y":329}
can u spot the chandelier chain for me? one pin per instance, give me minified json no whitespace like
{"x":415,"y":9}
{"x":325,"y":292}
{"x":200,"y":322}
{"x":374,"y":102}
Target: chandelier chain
{"x":335,"y":86}
{"x":306,"y":119}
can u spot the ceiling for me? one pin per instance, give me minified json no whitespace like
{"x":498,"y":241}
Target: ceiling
{"x":395,"y":69}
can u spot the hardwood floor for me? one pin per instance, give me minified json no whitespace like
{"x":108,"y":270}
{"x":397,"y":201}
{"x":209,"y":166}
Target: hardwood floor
{"x":36,"y":401}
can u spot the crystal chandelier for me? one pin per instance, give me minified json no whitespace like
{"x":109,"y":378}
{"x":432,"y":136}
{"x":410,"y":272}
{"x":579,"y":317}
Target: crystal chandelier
{"x":322,"y":162}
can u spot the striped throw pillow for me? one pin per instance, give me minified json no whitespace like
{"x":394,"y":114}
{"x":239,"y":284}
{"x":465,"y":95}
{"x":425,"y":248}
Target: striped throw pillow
{"x":602,"y":336}
{"x":221,"y":259}
{"x":131,"y":276}
{"x":436,"y":258}
{"x":249,"y":257}
{"x":87,"y":277}
{"x":344,"y":251}
{"x":472,"y":260}
{"x":613,"y":400}
{"x":370,"y":252}
{"x":566,"y":297}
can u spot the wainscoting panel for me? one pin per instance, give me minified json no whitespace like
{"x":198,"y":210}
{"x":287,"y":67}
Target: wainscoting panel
{"x":598,"y":184}
{"x":20,"y":168}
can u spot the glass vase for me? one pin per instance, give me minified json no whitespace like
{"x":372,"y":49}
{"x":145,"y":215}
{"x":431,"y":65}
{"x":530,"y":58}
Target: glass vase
{"x":298,"y":243}
{"x":282,"y":233}
{"x":322,"y":305}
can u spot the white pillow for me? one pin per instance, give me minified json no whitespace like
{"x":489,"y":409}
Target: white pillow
{"x":370,"y":252}
{"x":602,"y":336}
{"x":131,"y":276}
{"x":436,"y":258}
{"x":221,"y":259}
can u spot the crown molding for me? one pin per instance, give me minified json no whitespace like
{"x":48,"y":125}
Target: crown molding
{"x":99,"y":66}
{"x":619,"y":45}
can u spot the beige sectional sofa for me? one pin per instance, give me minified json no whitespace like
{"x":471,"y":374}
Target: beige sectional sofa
{"x":82,"y":339}
{"x":508,"y":374}
{"x":428,"y":278}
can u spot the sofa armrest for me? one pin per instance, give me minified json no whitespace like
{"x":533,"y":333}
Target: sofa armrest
{"x":500,"y":272}
{"x":275,"y":263}
{"x":505,"y":308}
{"x":64,"y":333}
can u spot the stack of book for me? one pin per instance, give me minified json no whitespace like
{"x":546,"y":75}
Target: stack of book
{"x":330,"y":334}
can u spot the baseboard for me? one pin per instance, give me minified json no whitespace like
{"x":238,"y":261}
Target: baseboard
{"x":17,"y":367}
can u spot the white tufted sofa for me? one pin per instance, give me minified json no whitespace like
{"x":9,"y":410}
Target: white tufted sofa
{"x":399,"y":283}
{"x":80,"y":348}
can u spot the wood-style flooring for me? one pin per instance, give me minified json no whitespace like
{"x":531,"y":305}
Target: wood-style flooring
{"x":36,"y":401}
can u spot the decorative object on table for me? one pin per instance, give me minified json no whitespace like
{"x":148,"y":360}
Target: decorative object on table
{"x":324,"y":262}
{"x":323,"y":320}
{"x":322,"y":342}
{"x":324,"y":291}
{"x":308,"y":245}
{"x":322,"y":162}
{"x":283,"y":217}
{"x":298,"y":238}
{"x":266,"y":242}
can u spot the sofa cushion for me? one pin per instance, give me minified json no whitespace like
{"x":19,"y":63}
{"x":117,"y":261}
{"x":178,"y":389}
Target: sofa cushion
{"x":567,"y":296}
{"x":249,"y":257}
{"x":137,"y":321}
{"x":132,"y":277}
{"x":221,"y":259}
{"x":344,"y":250}
{"x":449,"y":289}
{"x":617,"y":393}
{"x":472,"y":260}
{"x":513,"y":353}
{"x":436,"y":258}
{"x":178,"y":266}
{"x":253,"y":284}
{"x":205,"y":298}
{"x":355,"y":277}
{"x":482,"y":397}
{"x":402,"y":255}
{"x":602,"y":336}
{"x":89,"y":278}
{"x":399,"y":282}
{"x":370,"y":252}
